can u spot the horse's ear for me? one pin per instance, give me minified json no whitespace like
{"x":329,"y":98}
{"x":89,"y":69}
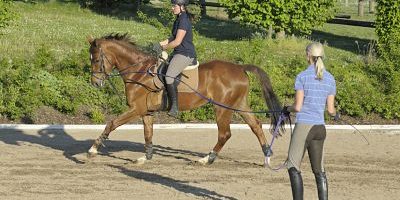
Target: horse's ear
{"x":90,"y":39}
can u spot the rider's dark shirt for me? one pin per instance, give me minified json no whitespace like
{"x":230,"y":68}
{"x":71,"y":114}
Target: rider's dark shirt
{"x":186,"y":48}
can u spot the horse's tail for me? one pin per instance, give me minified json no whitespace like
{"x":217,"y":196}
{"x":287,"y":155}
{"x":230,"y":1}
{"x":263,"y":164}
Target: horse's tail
{"x":270,"y":97}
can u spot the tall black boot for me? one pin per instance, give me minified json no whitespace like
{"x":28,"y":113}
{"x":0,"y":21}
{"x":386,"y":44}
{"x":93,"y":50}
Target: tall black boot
{"x":173,"y":97}
{"x":296,"y":181}
{"x":322,"y":185}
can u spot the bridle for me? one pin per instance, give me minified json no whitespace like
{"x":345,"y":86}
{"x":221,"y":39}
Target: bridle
{"x":103,"y":58}
{"x":106,"y":76}
{"x":102,"y":67}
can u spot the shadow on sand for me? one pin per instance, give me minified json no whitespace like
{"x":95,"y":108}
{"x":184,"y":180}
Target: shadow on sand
{"x":60,"y":140}
{"x":178,"y":185}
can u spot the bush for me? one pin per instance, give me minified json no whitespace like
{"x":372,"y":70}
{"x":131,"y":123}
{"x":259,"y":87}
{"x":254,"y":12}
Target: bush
{"x":96,"y":116}
{"x":293,"y":16}
{"x":7,"y":15}
{"x":388,"y":31}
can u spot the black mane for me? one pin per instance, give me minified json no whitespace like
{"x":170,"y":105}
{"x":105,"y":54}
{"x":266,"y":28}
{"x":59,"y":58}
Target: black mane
{"x":120,"y":37}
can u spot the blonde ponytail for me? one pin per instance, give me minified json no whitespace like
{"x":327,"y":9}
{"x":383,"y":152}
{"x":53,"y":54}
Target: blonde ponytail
{"x":319,"y":68}
{"x":315,"y":52}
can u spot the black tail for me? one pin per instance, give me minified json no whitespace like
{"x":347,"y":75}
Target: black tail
{"x":270,"y":97}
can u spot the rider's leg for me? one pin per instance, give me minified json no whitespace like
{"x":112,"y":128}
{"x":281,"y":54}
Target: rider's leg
{"x":177,"y":64}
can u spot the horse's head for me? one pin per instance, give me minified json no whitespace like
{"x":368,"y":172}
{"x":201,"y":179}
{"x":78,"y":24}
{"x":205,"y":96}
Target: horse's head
{"x":101,"y":62}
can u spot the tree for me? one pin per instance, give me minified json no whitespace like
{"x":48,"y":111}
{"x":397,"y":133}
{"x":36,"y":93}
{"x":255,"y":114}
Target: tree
{"x":6,"y":14}
{"x":388,"y":30}
{"x":284,"y":16}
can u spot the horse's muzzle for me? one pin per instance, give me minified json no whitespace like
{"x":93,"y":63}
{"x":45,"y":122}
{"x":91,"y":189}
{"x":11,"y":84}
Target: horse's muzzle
{"x":97,"y":82}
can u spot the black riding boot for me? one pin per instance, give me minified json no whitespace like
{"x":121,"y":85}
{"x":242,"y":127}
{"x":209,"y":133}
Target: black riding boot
{"x":296,"y":181}
{"x":173,"y":97}
{"x":322,"y":185}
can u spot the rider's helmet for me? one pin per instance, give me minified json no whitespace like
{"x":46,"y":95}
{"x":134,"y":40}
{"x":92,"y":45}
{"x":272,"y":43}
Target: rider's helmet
{"x":180,"y":2}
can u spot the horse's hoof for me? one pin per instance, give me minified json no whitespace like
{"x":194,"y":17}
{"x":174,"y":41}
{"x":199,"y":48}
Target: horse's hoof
{"x":204,"y":161}
{"x":90,"y":155}
{"x":140,"y":161}
{"x":92,"y":152}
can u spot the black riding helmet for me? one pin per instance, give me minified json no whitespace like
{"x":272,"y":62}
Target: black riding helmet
{"x":180,"y":2}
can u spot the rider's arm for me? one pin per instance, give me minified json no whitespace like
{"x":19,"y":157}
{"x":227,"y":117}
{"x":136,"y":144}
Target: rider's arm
{"x":330,"y":102}
{"x":177,"y":41}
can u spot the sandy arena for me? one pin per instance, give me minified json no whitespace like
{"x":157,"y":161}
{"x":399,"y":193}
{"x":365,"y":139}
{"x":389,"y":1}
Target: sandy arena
{"x":52,"y":164}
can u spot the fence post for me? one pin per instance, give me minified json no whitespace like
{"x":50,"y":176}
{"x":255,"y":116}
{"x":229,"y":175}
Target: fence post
{"x":361,"y":8}
{"x":371,"y":6}
{"x":203,"y":7}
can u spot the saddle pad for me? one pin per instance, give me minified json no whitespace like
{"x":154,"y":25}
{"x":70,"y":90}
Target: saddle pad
{"x":189,"y":78}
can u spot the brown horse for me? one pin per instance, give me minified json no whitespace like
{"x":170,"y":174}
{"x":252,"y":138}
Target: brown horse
{"x":224,"y":82}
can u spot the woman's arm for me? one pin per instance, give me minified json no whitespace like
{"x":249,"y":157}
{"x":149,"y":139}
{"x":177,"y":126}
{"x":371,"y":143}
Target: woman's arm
{"x":330,"y":102}
{"x":298,"y":102}
{"x":176,"y":42}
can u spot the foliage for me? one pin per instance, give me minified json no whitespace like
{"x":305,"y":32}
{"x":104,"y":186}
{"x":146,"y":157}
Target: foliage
{"x":50,"y":67}
{"x":98,"y":3}
{"x":7,"y":15}
{"x":388,"y":31}
{"x":97,"y":116}
{"x":291,"y":16}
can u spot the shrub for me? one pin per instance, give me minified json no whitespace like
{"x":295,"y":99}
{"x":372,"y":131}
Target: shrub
{"x":292,"y":16}
{"x":388,"y":31}
{"x":7,"y":15}
{"x":96,"y":116}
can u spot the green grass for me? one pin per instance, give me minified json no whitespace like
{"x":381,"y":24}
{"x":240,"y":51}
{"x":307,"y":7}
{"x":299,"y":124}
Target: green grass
{"x":352,"y":10}
{"x":63,"y":28}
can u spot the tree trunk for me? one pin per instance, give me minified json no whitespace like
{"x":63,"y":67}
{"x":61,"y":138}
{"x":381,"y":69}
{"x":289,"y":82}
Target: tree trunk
{"x":270,"y":31}
{"x":371,"y":6}
{"x":361,"y":4}
{"x":280,"y":35}
{"x":346,"y":3}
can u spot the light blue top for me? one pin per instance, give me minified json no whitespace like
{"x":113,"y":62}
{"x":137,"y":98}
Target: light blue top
{"x":315,"y":95}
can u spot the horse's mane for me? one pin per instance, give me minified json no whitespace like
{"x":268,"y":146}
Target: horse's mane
{"x":126,"y":41}
{"x":125,"y":38}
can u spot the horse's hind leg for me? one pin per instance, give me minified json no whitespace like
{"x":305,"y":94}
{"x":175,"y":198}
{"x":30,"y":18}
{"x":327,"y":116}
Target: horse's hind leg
{"x":224,"y":118}
{"x":256,"y":127}
{"x":112,"y":125}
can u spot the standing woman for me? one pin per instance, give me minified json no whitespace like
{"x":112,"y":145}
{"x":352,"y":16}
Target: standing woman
{"x":184,"y":52}
{"x":315,"y":89}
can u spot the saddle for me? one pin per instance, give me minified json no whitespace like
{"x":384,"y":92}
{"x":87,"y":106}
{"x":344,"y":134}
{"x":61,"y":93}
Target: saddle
{"x":187,"y":82}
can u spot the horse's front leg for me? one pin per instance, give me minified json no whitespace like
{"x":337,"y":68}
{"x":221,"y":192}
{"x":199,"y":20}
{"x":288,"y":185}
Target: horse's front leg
{"x":224,"y":118}
{"x":148,"y":138}
{"x":125,"y":117}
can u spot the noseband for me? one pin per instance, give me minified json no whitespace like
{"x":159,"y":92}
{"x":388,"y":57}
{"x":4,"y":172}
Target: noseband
{"x":102,"y":67}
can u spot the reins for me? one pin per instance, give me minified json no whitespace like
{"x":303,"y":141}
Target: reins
{"x":267,"y":161}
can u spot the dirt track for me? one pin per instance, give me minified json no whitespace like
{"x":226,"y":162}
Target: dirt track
{"x":51,"y":164}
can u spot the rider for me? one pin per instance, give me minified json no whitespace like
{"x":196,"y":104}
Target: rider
{"x":315,"y":88}
{"x":184,"y":52}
